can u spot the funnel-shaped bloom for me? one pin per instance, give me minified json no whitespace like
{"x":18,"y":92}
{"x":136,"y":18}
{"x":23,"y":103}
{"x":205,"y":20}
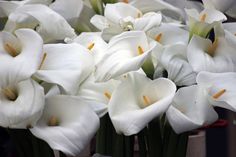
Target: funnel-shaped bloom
{"x":137,"y":101}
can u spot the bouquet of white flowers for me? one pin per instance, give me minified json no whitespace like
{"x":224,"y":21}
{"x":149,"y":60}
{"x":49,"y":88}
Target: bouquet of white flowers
{"x":149,"y":70}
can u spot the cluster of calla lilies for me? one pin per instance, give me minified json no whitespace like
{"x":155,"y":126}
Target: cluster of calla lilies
{"x":63,"y":66}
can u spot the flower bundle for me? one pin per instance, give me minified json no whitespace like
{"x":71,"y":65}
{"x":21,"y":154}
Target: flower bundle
{"x":152,"y":69}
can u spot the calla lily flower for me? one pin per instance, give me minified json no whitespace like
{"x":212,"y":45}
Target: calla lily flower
{"x":21,"y":55}
{"x":141,"y":100}
{"x":156,"y":5}
{"x":93,"y":42}
{"x":227,"y":6}
{"x":217,"y":56}
{"x":37,"y":17}
{"x":190,"y":109}
{"x":164,"y":35}
{"x":174,"y":60}
{"x":21,"y":104}
{"x":7,"y":7}
{"x":67,"y":124}
{"x":230,"y":31}
{"x":218,"y":4}
{"x":73,"y":11}
{"x":167,"y":34}
{"x":66,"y":65}
{"x":120,"y":17}
{"x":97,"y":94}
{"x":126,"y":52}
{"x":67,"y":8}
{"x":221,"y":87}
{"x":201,"y":23}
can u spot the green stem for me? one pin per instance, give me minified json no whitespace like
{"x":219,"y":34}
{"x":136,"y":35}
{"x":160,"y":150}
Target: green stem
{"x":174,"y":144}
{"x":166,"y":137}
{"x":148,"y":68}
{"x":154,"y":139}
{"x":142,"y":144}
{"x":118,"y":149}
{"x":129,"y":146}
{"x":109,"y":130}
{"x":28,"y":145}
{"x":101,"y":136}
{"x":182,"y":145}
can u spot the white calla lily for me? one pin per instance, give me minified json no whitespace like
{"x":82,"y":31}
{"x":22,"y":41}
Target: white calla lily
{"x":164,"y":35}
{"x":174,"y":60}
{"x":37,"y":17}
{"x":69,"y":9}
{"x":126,"y":52}
{"x":67,"y":124}
{"x":66,"y":65}
{"x":203,"y":55}
{"x":97,"y":94}
{"x":7,"y":7}
{"x":182,"y":4}
{"x":201,"y":23}
{"x":21,"y":55}
{"x":93,"y":42}
{"x":227,"y":6}
{"x":221,"y":88}
{"x":218,"y":4}
{"x":167,"y":34}
{"x":156,"y":5}
{"x":117,"y":11}
{"x":21,"y":104}
{"x":73,"y":11}
{"x":141,"y":100}
{"x":190,"y":109}
{"x":120,"y":17}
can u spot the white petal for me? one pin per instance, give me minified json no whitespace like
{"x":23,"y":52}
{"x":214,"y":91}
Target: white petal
{"x":21,"y":67}
{"x":169,"y":34}
{"x":111,"y":31}
{"x":94,"y":94}
{"x":211,"y":15}
{"x":100,"y":22}
{"x":147,"y":21}
{"x":57,"y":29}
{"x":6,"y":7}
{"x":122,"y":55}
{"x":77,"y":124}
{"x":190,"y":110}
{"x":66,"y":65}
{"x":126,"y":108}
{"x":182,"y":4}
{"x":154,"y":5}
{"x":230,"y":26}
{"x":26,"y":109}
{"x":175,"y":62}
{"x":87,"y":39}
{"x":69,"y":9}
{"x":223,"y":60}
{"x":218,"y":4}
{"x":117,"y":11}
{"x":217,"y":82}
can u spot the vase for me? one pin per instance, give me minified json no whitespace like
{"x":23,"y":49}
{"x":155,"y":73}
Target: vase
{"x":197,"y":145}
